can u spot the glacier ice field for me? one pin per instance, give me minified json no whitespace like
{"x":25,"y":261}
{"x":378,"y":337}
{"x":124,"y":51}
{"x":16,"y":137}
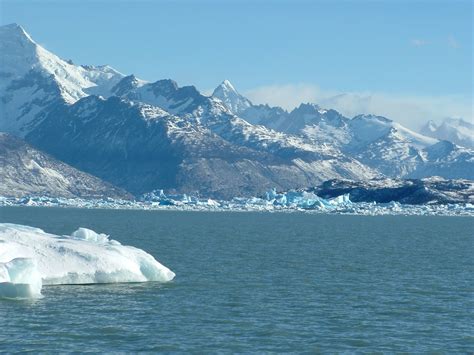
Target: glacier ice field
{"x":290,"y":201}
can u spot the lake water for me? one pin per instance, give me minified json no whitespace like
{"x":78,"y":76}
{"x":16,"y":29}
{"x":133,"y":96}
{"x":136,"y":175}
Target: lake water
{"x":260,"y":282}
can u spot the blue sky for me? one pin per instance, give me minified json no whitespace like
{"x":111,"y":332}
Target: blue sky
{"x":407,"y":52}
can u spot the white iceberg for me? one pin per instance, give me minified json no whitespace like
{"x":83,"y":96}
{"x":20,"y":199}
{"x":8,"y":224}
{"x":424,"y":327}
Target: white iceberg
{"x":305,"y":200}
{"x":30,"y":258}
{"x":19,"y":278}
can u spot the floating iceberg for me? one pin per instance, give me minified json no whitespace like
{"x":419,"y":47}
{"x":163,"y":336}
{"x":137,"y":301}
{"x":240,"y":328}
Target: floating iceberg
{"x":19,"y":278}
{"x":30,"y":258}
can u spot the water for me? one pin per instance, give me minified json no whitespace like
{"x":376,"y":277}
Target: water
{"x":256,"y":282}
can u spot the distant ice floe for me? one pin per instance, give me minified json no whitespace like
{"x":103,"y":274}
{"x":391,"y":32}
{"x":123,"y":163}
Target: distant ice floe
{"x":289,"y":201}
{"x":31,"y":258}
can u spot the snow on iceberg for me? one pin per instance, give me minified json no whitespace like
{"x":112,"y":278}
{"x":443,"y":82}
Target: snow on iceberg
{"x":30,"y":258}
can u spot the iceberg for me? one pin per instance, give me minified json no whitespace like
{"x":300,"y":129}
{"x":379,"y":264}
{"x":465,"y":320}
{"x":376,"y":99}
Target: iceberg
{"x":19,"y":278}
{"x":31,"y":258}
{"x":305,"y":200}
{"x":159,"y":198}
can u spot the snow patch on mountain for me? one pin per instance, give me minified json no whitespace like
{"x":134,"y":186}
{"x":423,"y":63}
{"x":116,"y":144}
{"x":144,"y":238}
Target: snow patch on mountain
{"x":368,"y":128}
{"x":456,"y":130}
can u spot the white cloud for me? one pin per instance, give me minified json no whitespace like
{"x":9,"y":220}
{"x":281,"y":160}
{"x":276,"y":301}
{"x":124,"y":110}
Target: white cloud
{"x":453,"y":42}
{"x":416,"y":42}
{"x":409,"y":110}
{"x":450,"y":41}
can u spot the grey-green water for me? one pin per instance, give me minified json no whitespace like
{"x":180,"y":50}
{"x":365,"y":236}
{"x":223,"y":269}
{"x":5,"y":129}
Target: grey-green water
{"x":255,"y":282}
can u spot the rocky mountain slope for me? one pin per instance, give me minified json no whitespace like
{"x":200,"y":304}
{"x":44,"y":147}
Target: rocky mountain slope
{"x":140,"y":147}
{"x":26,"y":171}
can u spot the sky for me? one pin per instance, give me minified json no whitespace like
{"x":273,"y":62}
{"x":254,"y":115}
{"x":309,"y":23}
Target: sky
{"x":408,"y":60}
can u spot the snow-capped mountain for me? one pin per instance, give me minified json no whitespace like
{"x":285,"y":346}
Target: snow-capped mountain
{"x":264,"y":115}
{"x":392,"y":154}
{"x":127,"y":85}
{"x":455,"y":130}
{"x":233,"y":100}
{"x":448,"y":160}
{"x":140,"y":147}
{"x":33,"y":79}
{"x":318,"y":124}
{"x":211,"y":114}
{"x":366,"y":129}
{"x":376,"y":141}
{"x":143,"y":136}
{"x":383,"y":144}
{"x":26,"y":171}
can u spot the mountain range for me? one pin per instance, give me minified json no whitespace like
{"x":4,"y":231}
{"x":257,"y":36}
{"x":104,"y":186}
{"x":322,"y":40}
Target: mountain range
{"x":141,"y":136}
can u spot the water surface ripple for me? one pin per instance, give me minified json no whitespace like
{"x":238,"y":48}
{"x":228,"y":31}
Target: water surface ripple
{"x":261,"y":282}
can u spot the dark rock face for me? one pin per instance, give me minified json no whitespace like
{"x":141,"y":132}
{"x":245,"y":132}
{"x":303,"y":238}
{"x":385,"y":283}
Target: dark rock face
{"x":409,"y":191}
{"x":26,"y":171}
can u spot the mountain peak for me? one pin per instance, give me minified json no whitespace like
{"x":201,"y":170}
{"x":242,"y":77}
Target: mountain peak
{"x":456,"y":130}
{"x":231,"y":98}
{"x":166,"y":85}
{"x":127,"y":84}
{"x":309,"y":108}
{"x":442,"y":148}
{"x":19,"y":53}
{"x":429,"y":127}
{"x":371,"y":117}
{"x":228,"y":85}
{"x":12,"y":27}
{"x":14,"y":32}
{"x":458,"y":122}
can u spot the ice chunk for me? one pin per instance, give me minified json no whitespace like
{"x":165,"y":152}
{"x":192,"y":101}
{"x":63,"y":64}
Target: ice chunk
{"x":340,"y":200}
{"x":19,"y":278}
{"x":305,"y":200}
{"x":91,"y":236}
{"x":85,"y":257}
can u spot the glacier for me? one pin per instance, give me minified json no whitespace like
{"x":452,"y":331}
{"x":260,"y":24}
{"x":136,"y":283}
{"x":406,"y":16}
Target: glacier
{"x":31,"y":258}
{"x":273,"y":201}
